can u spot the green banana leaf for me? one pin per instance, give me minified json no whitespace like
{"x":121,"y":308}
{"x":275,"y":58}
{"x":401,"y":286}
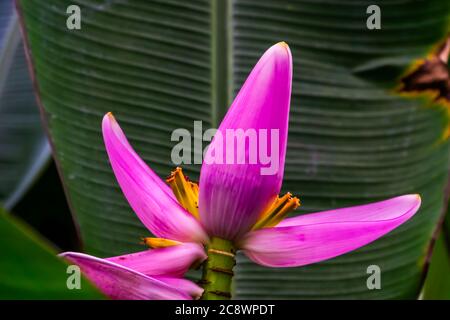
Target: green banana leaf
{"x":24,"y":150}
{"x":437,"y":284}
{"x":32,"y":268}
{"x":160,"y":65}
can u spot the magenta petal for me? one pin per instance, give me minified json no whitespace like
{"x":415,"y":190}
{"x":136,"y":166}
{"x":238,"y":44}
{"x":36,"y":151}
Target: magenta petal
{"x":184,"y":285}
{"x":118,"y":282}
{"x":320,"y":236}
{"x":173,"y":261}
{"x":151,"y":199}
{"x":233,"y":194}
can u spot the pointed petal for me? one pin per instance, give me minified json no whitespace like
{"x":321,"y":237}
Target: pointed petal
{"x":151,"y":199}
{"x":320,"y":236}
{"x":118,"y":282}
{"x":182,"y":284}
{"x":174,"y":261}
{"x":233,"y":194}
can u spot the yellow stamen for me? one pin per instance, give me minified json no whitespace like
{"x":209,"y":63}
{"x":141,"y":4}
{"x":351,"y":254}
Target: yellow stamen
{"x":277,"y":211}
{"x":159,"y":242}
{"x":185,"y":191}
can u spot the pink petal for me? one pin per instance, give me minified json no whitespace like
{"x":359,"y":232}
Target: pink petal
{"x":182,"y":284}
{"x":118,"y":282}
{"x":320,"y":236}
{"x":151,"y":199}
{"x":173,"y":261}
{"x":232,"y":195}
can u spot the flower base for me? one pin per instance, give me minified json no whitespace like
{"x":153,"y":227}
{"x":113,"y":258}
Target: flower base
{"x":218,"y":270}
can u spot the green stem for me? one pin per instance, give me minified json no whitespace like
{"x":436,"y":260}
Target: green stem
{"x":218,"y":270}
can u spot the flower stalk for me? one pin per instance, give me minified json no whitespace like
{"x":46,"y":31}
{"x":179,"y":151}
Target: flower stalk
{"x":218,"y":270}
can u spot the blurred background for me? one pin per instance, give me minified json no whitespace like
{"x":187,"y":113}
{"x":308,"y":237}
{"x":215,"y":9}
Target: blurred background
{"x":29,"y":180}
{"x":369,"y":121}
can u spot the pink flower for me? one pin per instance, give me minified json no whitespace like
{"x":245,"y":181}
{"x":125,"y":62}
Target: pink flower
{"x":146,"y":275}
{"x":234,"y":207}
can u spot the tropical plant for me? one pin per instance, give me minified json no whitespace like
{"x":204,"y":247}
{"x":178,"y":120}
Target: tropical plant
{"x":354,"y":137}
